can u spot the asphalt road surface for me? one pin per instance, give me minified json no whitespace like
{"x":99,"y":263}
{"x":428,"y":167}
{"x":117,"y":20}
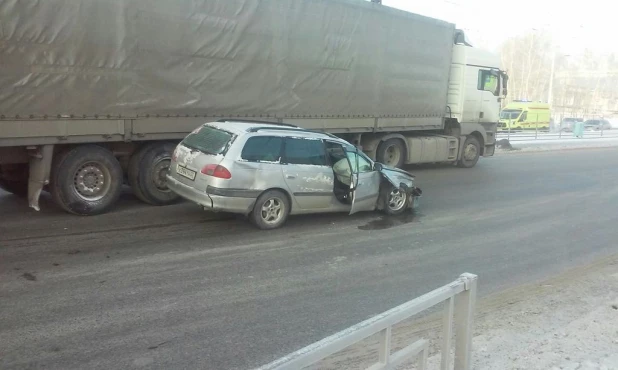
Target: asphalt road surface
{"x":175,"y":287}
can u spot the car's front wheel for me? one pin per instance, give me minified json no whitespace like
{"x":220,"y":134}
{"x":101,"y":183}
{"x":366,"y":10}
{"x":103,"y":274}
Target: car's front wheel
{"x":394,"y":200}
{"x":271,"y":210}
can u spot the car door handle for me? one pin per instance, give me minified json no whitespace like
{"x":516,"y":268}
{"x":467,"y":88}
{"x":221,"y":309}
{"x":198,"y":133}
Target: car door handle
{"x":291,"y":177}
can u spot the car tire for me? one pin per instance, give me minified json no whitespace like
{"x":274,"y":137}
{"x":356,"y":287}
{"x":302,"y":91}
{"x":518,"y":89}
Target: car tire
{"x":391,"y":152}
{"x":471,"y":153}
{"x":271,"y":210}
{"x":394,"y":200}
{"x":146,"y":174}
{"x":86,"y":180}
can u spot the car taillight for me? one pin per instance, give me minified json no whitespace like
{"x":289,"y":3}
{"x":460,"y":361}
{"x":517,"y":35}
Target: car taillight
{"x":216,"y":170}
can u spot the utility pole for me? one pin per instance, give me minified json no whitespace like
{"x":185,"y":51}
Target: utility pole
{"x":551,"y":78}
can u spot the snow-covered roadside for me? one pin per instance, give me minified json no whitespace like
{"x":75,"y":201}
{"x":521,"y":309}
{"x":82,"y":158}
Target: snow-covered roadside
{"x":558,"y":144}
{"x":566,"y":322}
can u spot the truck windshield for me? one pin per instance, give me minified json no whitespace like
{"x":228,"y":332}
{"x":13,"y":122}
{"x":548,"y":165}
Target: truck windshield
{"x":510,"y":113}
{"x":208,"y":140}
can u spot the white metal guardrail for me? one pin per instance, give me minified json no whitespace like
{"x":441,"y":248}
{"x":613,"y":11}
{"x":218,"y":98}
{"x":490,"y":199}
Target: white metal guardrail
{"x":460,"y":298}
{"x":545,"y":135}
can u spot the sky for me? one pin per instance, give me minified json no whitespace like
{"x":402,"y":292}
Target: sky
{"x":488,"y":23}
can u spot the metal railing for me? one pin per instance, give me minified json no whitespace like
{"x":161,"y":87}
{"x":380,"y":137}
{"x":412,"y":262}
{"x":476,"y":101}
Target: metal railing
{"x":543,"y":133}
{"x":460,"y":299}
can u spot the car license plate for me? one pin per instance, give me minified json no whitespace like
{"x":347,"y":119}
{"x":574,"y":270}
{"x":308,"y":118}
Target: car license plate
{"x":185,"y":172}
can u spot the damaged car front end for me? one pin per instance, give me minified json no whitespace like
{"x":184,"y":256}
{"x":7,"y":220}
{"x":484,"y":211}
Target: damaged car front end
{"x":403,"y":181}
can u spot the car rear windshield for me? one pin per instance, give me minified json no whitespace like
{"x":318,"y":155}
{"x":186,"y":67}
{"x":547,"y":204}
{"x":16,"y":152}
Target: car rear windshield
{"x":208,"y":140}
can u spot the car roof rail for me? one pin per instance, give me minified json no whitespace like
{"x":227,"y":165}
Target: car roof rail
{"x":256,"y":121}
{"x":291,"y":129}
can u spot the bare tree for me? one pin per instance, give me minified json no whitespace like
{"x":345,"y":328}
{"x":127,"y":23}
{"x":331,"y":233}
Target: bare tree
{"x":584,"y":85}
{"x":527,"y":59}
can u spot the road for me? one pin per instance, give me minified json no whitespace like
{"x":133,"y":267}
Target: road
{"x":173,"y":287}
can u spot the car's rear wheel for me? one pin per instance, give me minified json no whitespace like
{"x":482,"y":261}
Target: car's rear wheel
{"x":271,"y":210}
{"x":394,"y":200}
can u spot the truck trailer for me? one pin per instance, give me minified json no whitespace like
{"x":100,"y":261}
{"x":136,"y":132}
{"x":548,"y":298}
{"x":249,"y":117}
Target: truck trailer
{"x":95,"y":94}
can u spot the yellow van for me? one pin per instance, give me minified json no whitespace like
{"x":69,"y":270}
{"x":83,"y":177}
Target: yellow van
{"x":525,"y":116}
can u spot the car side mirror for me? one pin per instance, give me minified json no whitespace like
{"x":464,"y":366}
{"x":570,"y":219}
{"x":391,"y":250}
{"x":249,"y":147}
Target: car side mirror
{"x":377,"y":166}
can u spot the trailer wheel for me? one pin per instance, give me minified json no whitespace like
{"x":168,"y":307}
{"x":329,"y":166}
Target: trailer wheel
{"x":471,"y":153}
{"x":86,"y":180}
{"x":391,"y":152}
{"x":14,"y":179}
{"x":147,"y":170}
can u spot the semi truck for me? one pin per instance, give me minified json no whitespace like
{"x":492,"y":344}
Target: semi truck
{"x":95,"y":94}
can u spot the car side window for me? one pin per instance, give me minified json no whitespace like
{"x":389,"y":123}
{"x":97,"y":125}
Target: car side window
{"x":262,"y":149}
{"x":304,"y":151}
{"x":363,"y":164}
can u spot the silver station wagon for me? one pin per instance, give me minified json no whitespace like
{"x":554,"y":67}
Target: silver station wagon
{"x":269,"y":171}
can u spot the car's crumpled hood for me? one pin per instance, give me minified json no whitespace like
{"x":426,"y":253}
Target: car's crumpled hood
{"x":397,"y":177}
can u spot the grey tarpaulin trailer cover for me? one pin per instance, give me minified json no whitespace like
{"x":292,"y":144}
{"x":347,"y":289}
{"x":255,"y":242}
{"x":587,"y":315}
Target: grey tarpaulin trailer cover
{"x":283,"y":58}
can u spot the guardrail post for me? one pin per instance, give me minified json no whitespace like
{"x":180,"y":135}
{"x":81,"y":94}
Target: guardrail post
{"x":464,"y":322}
{"x":423,"y":356}
{"x":447,"y":333}
{"x":384,"y":351}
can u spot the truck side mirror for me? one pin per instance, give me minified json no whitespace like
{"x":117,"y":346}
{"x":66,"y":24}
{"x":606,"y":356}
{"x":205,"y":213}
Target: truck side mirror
{"x":505,"y":83}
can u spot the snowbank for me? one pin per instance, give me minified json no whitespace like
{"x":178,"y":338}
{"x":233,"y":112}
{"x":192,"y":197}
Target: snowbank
{"x":558,"y":144}
{"x":567,"y":322}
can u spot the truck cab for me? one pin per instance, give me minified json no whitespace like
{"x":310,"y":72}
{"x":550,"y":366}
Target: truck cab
{"x":477,"y":86}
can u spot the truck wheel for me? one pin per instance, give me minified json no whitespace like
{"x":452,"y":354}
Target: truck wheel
{"x":391,"y":152}
{"x":471,"y":153}
{"x":394,"y":201}
{"x":147,"y":170}
{"x":14,"y":179}
{"x":86,"y":180}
